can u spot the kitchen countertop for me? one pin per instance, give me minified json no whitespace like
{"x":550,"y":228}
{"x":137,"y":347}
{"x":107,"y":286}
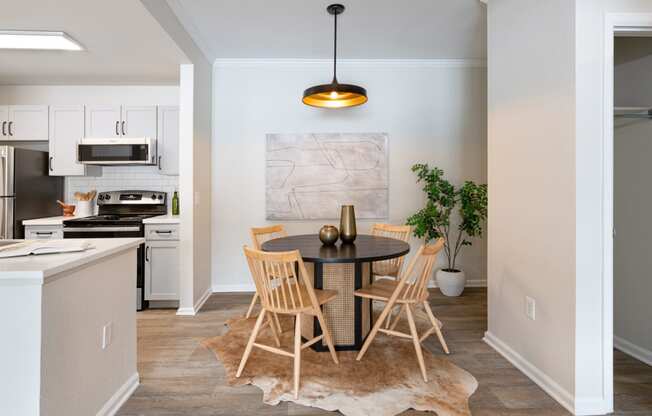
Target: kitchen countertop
{"x":49,"y":220}
{"x":30,"y":270}
{"x":162,"y":219}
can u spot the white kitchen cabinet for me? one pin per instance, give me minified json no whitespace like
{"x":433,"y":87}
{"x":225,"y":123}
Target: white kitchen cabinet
{"x":168,"y":140}
{"x":102,"y":121}
{"x":24,"y":122}
{"x":43,"y":232}
{"x":162,"y":272}
{"x":106,"y":121}
{"x":139,"y":121}
{"x":66,"y":130}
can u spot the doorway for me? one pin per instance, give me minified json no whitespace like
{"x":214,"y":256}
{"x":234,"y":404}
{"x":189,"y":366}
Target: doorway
{"x":632,"y":238}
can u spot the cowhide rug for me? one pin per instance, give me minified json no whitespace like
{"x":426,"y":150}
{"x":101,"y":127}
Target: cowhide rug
{"x":387,"y":381}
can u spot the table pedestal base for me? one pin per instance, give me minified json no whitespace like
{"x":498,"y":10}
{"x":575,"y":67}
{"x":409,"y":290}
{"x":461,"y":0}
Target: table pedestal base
{"x":349,"y":317}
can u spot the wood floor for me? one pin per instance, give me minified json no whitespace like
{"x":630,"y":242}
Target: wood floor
{"x":179,"y":377}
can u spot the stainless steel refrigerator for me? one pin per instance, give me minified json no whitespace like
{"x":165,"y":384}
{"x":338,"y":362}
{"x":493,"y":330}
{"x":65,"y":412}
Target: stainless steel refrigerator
{"x":26,"y":189}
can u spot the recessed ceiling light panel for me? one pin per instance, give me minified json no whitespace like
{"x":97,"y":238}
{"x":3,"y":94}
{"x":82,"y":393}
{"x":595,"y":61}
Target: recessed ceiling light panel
{"x":38,"y":40}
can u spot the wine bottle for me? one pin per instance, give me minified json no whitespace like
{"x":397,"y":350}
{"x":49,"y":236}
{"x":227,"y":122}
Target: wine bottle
{"x":175,"y":203}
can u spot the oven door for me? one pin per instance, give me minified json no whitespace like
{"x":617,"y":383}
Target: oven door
{"x":117,"y":232}
{"x":117,"y":151}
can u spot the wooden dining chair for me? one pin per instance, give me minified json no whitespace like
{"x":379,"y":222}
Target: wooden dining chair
{"x":391,"y":267}
{"x":408,"y":292}
{"x":284,"y":287}
{"x":260,"y":235}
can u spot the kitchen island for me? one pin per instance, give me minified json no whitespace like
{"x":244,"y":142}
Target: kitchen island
{"x":69,"y":330}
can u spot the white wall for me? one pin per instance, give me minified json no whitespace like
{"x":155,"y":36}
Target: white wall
{"x":112,"y":178}
{"x":531,"y":165}
{"x":632,"y":201}
{"x":434,"y":112}
{"x":196,"y":112}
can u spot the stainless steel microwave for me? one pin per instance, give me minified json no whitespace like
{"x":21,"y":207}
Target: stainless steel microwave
{"x":117,"y":151}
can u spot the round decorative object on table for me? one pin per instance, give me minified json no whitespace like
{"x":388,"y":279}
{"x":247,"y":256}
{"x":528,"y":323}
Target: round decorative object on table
{"x":328,"y":235}
{"x":347,"y":224}
{"x":343,"y":268}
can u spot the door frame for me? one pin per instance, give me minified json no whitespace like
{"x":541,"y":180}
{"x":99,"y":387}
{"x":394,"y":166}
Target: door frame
{"x":615,"y":24}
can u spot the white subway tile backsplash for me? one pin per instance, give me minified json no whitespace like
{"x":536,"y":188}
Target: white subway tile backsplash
{"x":117,"y":178}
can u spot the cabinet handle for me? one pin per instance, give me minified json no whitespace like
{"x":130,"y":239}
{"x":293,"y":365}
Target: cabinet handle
{"x":163,"y":232}
{"x":44,"y":233}
{"x":10,"y":123}
{"x":117,"y":132}
{"x":123,"y":128}
{"x":147,"y":253}
{"x":159,"y":163}
{"x":4,"y":128}
{"x":51,"y":159}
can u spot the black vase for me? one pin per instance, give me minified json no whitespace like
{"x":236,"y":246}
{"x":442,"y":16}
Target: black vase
{"x":348,"y":232}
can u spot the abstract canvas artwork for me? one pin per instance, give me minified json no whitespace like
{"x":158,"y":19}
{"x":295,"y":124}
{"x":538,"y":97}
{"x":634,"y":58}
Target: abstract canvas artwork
{"x":310,"y":176}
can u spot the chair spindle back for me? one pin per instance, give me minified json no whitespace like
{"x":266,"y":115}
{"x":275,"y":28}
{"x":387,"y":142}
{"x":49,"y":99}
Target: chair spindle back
{"x":280,"y":279}
{"x":393,"y":266}
{"x":260,"y":235}
{"x":413,"y":286}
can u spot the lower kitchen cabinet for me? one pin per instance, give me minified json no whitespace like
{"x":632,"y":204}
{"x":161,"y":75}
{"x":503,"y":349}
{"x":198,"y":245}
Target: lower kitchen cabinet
{"x":43,"y":232}
{"x":162,"y":271}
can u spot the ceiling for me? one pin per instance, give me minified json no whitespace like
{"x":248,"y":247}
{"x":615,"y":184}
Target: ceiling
{"x":124,"y":44}
{"x":368,"y":29}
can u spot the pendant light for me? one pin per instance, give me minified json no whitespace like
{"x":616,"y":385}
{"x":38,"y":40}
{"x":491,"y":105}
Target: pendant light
{"x":335,"y":95}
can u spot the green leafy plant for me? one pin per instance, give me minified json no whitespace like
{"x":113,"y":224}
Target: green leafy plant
{"x":434,"y":220}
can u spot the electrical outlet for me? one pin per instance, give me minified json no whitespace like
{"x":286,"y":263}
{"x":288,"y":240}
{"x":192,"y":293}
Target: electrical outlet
{"x":530,"y":308}
{"x":107,"y":333}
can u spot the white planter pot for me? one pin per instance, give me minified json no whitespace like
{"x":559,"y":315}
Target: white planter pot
{"x":451,"y":283}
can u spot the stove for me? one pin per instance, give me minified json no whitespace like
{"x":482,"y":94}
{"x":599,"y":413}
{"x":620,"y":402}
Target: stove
{"x":120,"y":215}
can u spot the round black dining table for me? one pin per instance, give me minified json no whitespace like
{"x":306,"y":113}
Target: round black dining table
{"x":343,"y":268}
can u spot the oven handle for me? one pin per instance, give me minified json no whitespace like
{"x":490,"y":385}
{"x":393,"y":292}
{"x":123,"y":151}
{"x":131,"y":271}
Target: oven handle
{"x":99,"y":229}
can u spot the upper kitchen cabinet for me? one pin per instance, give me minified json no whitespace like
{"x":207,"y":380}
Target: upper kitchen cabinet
{"x":66,"y":130}
{"x":24,"y":122}
{"x":168,"y":140}
{"x":104,"y":121}
{"x":139,"y":121}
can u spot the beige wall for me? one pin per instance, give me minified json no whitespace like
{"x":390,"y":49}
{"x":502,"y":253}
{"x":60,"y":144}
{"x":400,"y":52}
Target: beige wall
{"x":632,"y":199}
{"x":531,"y":166}
{"x":433,"y":113}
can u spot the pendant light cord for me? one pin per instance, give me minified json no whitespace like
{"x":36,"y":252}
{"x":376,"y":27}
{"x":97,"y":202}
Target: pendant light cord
{"x":335,"y":52}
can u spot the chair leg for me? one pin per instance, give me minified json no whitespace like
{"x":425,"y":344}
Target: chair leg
{"x":398,"y":317}
{"x":374,"y":330}
{"x":272,"y":327}
{"x":417,"y":343}
{"x":327,"y":335}
{"x":278,"y":324}
{"x":251,"y":305}
{"x":250,"y":344}
{"x":435,"y":324}
{"x":297,"y":355}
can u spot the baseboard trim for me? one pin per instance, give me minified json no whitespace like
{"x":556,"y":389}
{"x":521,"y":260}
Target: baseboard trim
{"x":634,"y":350}
{"x":539,"y":377}
{"x":116,"y":401}
{"x":469,"y":283}
{"x":249,"y":287}
{"x":197,"y":306}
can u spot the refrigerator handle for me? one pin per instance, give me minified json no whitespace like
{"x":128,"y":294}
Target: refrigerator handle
{"x":7,"y":218}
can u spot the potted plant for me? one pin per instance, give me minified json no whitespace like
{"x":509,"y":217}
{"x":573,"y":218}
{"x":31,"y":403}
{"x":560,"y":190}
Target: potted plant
{"x":434,"y":220}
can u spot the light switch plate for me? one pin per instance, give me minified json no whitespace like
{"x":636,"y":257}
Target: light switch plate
{"x":530,"y":308}
{"x":107,"y":333}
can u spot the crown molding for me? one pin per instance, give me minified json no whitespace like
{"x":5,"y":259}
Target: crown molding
{"x":370,"y":63}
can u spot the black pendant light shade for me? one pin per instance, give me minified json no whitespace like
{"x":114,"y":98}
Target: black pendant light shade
{"x":335,"y":95}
